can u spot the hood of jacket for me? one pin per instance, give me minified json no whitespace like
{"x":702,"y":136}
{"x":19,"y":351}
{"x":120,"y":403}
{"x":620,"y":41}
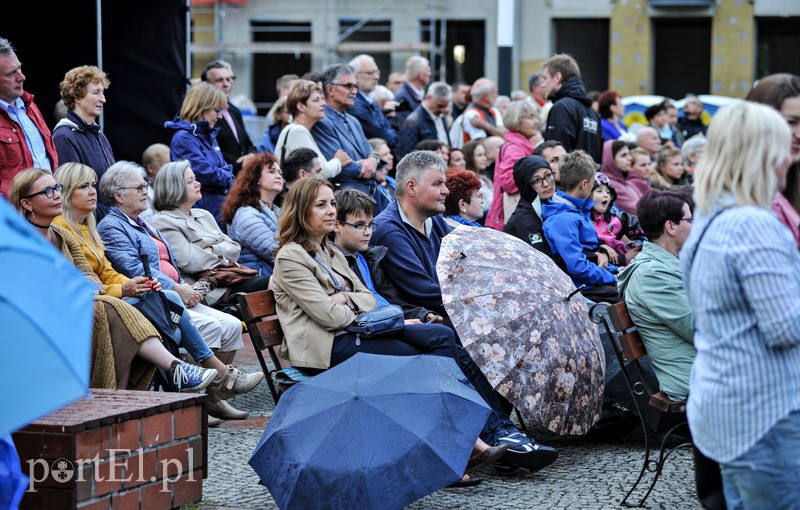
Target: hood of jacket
{"x":573,"y":88}
{"x":76,"y":123}
{"x":523,"y":172}
{"x":561,"y":202}
{"x":196,"y":128}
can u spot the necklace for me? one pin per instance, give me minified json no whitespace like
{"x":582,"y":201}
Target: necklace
{"x":43,"y":227}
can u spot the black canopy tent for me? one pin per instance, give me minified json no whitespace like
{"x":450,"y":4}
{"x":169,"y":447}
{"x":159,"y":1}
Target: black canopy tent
{"x":142,"y":46}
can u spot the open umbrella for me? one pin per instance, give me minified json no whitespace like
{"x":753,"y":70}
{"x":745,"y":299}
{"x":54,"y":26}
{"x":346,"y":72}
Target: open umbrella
{"x":373,"y":432}
{"x":525,"y":325}
{"x":46,"y":315}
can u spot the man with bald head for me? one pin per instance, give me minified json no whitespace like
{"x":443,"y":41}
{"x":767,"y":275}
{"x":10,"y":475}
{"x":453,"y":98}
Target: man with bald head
{"x":369,"y":114}
{"x":411,"y":93}
{"x":492,"y":145}
{"x":647,"y":138}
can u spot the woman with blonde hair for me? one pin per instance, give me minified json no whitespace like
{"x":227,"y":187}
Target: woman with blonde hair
{"x":306,"y":104}
{"x":79,"y":200}
{"x":194,"y":138}
{"x":125,"y":346}
{"x":741,"y":271}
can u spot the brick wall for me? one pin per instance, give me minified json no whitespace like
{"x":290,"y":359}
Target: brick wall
{"x":120,"y":449}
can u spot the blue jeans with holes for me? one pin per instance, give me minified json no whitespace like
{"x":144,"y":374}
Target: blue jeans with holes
{"x":767,"y":476}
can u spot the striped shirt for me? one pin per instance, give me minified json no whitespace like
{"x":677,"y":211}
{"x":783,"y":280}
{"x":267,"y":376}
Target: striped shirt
{"x":743,"y":283}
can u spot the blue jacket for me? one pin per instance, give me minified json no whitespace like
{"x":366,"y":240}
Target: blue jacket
{"x":405,"y":94}
{"x":197,"y":143}
{"x":569,"y":230}
{"x":418,"y":126}
{"x":410,"y":262}
{"x":256,"y":230}
{"x":373,"y":121}
{"x":331,"y":134}
{"x":125,"y":242}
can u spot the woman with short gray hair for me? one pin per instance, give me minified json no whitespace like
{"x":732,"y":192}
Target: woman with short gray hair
{"x":198,"y":242}
{"x":130,"y":241}
{"x":522,"y":124}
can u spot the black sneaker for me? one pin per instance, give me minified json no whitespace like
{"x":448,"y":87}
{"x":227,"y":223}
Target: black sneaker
{"x":523,"y":455}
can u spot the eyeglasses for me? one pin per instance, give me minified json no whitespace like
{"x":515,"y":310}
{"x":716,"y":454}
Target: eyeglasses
{"x":142,"y":188}
{"x":537,"y":182}
{"x":348,"y":86}
{"x":689,"y":220}
{"x":48,"y":191}
{"x":361,"y":227}
{"x":225,"y":79}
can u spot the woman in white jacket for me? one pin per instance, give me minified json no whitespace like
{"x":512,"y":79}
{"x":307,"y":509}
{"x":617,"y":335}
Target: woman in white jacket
{"x":306,"y":103}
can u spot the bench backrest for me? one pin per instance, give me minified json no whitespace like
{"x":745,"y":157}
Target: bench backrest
{"x":258,"y":312}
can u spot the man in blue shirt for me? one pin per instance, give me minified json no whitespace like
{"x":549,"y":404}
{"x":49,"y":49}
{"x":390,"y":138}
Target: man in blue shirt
{"x":411,"y":229}
{"x":27,"y":142}
{"x":340,"y":130}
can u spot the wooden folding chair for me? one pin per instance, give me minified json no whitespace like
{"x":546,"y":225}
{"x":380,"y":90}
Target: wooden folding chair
{"x":258,"y":313}
{"x":629,"y":349}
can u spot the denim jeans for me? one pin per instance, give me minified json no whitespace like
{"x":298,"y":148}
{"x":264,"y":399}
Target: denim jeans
{"x":767,"y":476}
{"x":498,"y":424}
{"x":187,"y":336}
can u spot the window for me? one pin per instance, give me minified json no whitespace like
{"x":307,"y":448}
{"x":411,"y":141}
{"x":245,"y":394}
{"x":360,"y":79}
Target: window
{"x":586,"y":40}
{"x":268,"y":67}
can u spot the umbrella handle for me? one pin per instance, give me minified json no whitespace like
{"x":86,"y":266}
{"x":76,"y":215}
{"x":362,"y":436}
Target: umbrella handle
{"x":575,"y":292}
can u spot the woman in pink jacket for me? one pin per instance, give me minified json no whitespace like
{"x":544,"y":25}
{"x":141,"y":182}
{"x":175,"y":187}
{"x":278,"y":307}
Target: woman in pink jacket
{"x":521,"y":121}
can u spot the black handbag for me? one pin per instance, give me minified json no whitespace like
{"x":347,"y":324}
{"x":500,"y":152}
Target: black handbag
{"x":379,"y":321}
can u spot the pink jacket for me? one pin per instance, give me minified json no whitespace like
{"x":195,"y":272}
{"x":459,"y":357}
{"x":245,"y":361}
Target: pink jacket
{"x":787,"y":215}
{"x":515,"y":148}
{"x":629,"y":187}
{"x":607,"y":232}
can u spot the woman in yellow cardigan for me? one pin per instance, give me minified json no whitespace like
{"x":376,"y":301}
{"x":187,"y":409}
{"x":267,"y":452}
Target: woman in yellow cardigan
{"x":124,"y":344}
{"x":79,"y":200}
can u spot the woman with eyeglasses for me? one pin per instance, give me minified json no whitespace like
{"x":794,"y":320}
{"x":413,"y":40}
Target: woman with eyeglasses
{"x":464,"y":204}
{"x":125,"y":346}
{"x":251,"y":212}
{"x":536,"y":183}
{"x":127,"y":238}
{"x":194,"y":138}
{"x":79,"y":201}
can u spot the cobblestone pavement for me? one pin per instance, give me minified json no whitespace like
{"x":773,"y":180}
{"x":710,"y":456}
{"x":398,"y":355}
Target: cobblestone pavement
{"x":586,"y":475}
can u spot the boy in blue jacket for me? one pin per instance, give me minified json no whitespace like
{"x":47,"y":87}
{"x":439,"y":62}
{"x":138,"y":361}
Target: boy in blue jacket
{"x":571,"y":234}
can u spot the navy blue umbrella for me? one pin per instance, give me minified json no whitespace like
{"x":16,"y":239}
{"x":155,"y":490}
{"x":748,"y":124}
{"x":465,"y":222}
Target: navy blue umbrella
{"x":373,"y":432}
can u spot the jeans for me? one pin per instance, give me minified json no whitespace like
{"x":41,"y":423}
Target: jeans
{"x":413,"y":339}
{"x":766,"y":476}
{"x":498,"y":424}
{"x":187,"y":335}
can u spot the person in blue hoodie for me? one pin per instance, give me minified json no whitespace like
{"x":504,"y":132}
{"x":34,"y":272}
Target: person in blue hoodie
{"x":570,"y":233}
{"x":194,"y":139}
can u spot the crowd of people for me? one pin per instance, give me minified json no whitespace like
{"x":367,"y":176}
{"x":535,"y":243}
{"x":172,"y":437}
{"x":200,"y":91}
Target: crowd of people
{"x":343,"y":206}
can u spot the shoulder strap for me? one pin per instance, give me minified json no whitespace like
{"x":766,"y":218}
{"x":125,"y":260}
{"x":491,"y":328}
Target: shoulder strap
{"x":285,"y":141}
{"x":336,"y":283}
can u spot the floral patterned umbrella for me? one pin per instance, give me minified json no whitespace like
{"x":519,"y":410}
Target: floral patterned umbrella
{"x":537,"y":347}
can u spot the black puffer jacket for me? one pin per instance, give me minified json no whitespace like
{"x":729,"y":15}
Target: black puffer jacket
{"x":572,"y":121}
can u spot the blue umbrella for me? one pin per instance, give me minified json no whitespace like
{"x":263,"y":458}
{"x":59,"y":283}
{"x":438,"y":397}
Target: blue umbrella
{"x":46,"y":315}
{"x":373,"y":432}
